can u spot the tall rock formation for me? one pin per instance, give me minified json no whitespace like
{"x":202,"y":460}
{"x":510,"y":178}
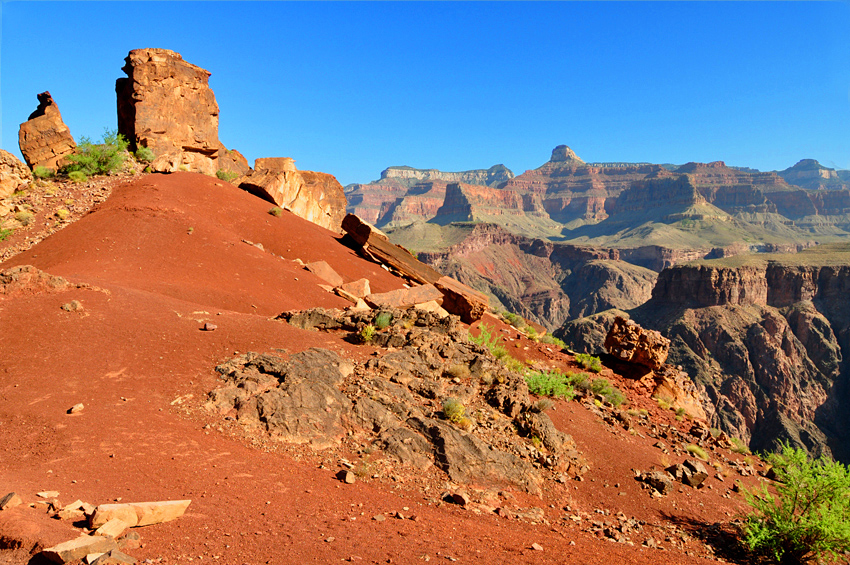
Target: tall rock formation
{"x":317,"y":197}
{"x":166,"y":105}
{"x":810,"y":174}
{"x":44,"y":138}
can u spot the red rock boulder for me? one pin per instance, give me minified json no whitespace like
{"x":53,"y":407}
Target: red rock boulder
{"x":44,"y":138}
{"x":166,"y":105}
{"x":629,"y":342}
{"x":317,"y":197}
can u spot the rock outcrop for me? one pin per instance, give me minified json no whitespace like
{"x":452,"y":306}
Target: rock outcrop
{"x":166,"y":105}
{"x":398,"y":402}
{"x":13,"y":174}
{"x":628,"y":342}
{"x":810,"y":174}
{"x":44,"y":138}
{"x":317,"y":197}
{"x":495,"y":175}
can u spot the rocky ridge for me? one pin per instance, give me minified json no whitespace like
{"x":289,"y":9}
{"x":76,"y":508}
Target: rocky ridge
{"x":766,"y":336}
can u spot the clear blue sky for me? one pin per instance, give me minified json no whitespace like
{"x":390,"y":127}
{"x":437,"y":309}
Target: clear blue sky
{"x":351,"y":88}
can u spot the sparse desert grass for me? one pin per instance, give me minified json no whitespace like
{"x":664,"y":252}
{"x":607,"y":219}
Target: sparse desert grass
{"x":589,"y":362}
{"x":697,"y":451}
{"x":367,"y":333}
{"x":144,"y":154}
{"x":276,"y":211}
{"x":455,"y":412}
{"x":6,"y":233}
{"x":62,"y":213}
{"x":458,"y":371}
{"x":226,"y":176}
{"x":78,"y":176}
{"x":24,"y":217}
{"x":41,"y":172}
{"x":610,"y":393}
{"x":549,"y":339}
{"x":738,"y":446}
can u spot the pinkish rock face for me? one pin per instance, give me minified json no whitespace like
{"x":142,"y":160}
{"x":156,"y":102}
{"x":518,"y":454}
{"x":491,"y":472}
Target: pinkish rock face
{"x":44,"y":138}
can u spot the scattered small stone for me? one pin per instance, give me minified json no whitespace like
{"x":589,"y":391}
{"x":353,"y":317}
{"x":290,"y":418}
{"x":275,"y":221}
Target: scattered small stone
{"x":78,"y":548}
{"x":379,"y":517}
{"x":208,"y":327}
{"x":536,"y":547}
{"x":48,"y":494}
{"x":72,"y":306}
{"x":346,"y":476}
{"x":76,"y":408}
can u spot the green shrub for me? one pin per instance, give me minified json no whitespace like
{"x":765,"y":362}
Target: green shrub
{"x":383,"y":319}
{"x":550,"y":383}
{"x":809,"y":518}
{"x":276,"y":211}
{"x":453,"y":410}
{"x":580,"y":381}
{"x":101,"y":158}
{"x":226,"y":176}
{"x":514,"y":364}
{"x":589,"y":362}
{"x":610,"y":393}
{"x":552,"y":340}
{"x":78,"y":176}
{"x":6,"y":233}
{"x":41,"y":172}
{"x":484,"y":338}
{"x":367,"y":333}
{"x":144,"y":154}
{"x":514,"y":320}
{"x":62,"y":213}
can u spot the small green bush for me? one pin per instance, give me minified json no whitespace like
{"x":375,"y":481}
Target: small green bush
{"x":589,"y":362}
{"x":78,"y":176}
{"x":41,"y":172}
{"x":101,"y":158}
{"x":610,"y":393}
{"x":6,"y":233}
{"x":549,"y":339}
{"x":62,"y":213}
{"x":144,"y":154}
{"x":383,"y":319}
{"x":453,"y":410}
{"x":808,"y":519}
{"x":276,"y":212}
{"x":514,"y":364}
{"x":367,"y":333}
{"x":226,"y":176}
{"x":550,"y":383}
{"x":581,"y":381}
{"x":484,"y":338}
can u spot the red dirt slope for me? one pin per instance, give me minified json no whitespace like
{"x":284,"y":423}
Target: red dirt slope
{"x":165,"y":254}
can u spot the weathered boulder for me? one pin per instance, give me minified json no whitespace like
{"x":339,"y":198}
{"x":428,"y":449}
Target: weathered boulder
{"x":13,"y":174}
{"x":139,"y":513}
{"x":78,"y":548}
{"x":405,"y":297}
{"x":325,"y":272}
{"x":44,"y":138}
{"x":166,"y":105}
{"x":627,"y":341}
{"x":462,"y":300}
{"x":317,"y":197}
{"x":658,"y":480}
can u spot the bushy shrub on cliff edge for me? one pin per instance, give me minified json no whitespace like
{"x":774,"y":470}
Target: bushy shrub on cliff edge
{"x":98,"y":158}
{"x":809,"y":518}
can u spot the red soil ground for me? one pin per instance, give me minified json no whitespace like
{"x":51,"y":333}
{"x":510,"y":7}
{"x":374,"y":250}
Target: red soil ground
{"x":165,"y":254}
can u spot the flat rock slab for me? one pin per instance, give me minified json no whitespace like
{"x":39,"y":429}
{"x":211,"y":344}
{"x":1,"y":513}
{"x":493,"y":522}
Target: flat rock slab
{"x":78,"y":548}
{"x":139,"y":513}
{"x":10,"y":501}
{"x":112,"y":529}
{"x":462,"y":300}
{"x":325,"y":272}
{"x":359,"y":288}
{"x":405,"y":297}
{"x":114,"y":557}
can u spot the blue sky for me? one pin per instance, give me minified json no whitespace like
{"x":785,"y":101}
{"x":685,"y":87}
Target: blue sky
{"x":351,"y":88}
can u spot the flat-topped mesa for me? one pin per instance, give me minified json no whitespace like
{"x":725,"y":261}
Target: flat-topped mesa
{"x":44,"y":138}
{"x":810,"y":174}
{"x":563,"y":154}
{"x":493,"y":176}
{"x":166,"y":105}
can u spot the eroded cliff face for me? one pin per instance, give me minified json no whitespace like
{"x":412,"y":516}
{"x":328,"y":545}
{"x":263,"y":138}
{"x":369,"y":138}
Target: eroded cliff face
{"x":766,"y":336}
{"x":493,"y":176}
{"x":810,"y":174}
{"x":543,"y":281}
